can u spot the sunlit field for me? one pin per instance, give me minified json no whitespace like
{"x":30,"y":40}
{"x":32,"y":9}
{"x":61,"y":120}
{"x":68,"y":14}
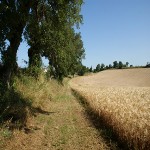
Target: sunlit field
{"x":121,"y":98}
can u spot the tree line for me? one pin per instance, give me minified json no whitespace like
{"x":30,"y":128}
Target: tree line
{"x":48,"y":26}
{"x":116,"y":65}
{"x":101,"y":67}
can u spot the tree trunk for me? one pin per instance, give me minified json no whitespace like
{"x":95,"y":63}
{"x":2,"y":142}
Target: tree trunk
{"x":9,"y":56}
{"x":15,"y":34}
{"x":34,"y":57}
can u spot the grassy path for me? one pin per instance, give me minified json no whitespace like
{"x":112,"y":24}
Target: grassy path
{"x":63,"y":126}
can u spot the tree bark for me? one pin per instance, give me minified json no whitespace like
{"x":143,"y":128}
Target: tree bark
{"x":9,"y":56}
{"x":14,"y":37}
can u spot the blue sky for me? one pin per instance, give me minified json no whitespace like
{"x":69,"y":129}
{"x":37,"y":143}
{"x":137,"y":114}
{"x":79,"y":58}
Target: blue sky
{"x":112,"y":30}
{"x":116,"y":30}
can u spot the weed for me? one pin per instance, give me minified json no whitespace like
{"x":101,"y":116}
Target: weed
{"x":6,"y":133}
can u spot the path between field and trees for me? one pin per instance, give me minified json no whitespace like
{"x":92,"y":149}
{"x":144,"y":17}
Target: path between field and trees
{"x":63,"y":124}
{"x":64,"y":121}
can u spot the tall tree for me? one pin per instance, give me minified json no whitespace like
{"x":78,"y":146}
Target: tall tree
{"x":58,"y":40}
{"x":115,"y":64}
{"x":13,"y":17}
{"x":110,"y":66}
{"x":120,"y":65}
{"x":76,"y":53}
{"x":98,"y":67}
{"x":91,"y":69}
{"x":33,"y":34}
{"x":127,"y":63}
{"x":65,"y":52}
{"x":48,"y":31}
{"x":102,"y":67}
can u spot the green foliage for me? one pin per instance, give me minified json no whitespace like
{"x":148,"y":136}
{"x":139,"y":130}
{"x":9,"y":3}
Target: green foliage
{"x":107,"y":67}
{"x":49,"y":32}
{"x":91,"y":69}
{"x":33,"y":71}
{"x":110,"y":66}
{"x":115,"y":64}
{"x":13,"y":16}
{"x":98,"y":67}
{"x":131,"y":66}
{"x":102,"y":67}
{"x":50,"y":72}
{"x":83,"y":70}
{"x":64,"y":52}
{"x":120,"y":65}
{"x":127,"y":63}
{"x":6,"y":133}
{"x":148,"y":65}
{"x":94,"y":70}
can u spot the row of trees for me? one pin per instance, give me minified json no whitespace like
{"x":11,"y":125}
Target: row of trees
{"x":48,"y":28}
{"x":100,"y":67}
{"x":116,"y":65}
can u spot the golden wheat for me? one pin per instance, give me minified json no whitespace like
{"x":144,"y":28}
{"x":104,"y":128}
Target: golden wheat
{"x":125,"y":108}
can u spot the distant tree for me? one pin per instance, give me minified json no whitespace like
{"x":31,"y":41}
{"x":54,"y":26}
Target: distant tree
{"x":102,"y":67}
{"x":124,"y":65}
{"x":98,"y":67}
{"x":107,"y":67}
{"x":148,"y":65}
{"x":94,"y":70}
{"x":115,"y":64}
{"x":87,"y":69}
{"x":83,"y":70}
{"x":120,"y":65}
{"x":110,"y":66}
{"x":91,"y":69}
{"x":131,"y":66}
{"x":127,"y":63}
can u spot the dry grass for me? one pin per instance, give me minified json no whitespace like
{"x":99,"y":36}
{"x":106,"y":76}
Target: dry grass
{"x":38,"y":92}
{"x":59,"y":121}
{"x":39,"y":95}
{"x":122,"y":99}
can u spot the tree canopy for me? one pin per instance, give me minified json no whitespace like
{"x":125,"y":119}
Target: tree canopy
{"x":48,"y":28}
{"x":98,"y":67}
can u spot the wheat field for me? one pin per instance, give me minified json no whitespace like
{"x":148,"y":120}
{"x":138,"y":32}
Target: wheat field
{"x":122,"y":99}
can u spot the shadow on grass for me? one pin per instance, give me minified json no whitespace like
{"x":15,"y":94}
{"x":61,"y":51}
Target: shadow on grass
{"x":15,"y":110}
{"x":36,"y":110}
{"x":99,"y":123}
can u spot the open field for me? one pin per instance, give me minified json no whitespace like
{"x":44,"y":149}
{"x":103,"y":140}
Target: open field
{"x":121,"y":98}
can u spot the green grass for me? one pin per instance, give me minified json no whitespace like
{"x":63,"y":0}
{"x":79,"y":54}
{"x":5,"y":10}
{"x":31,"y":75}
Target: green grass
{"x":6,"y":133}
